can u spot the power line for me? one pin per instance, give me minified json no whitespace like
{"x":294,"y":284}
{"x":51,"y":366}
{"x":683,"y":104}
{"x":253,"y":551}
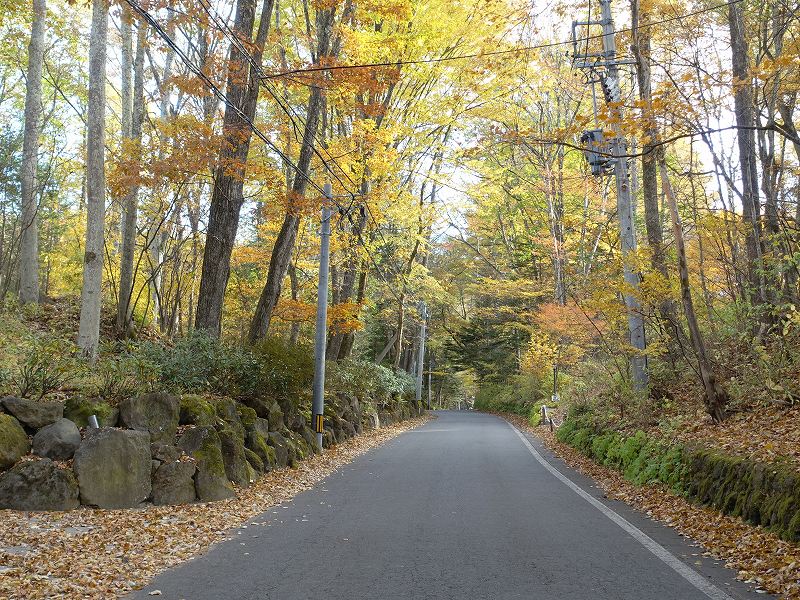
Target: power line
{"x":223,"y":98}
{"x":520,"y":49}
{"x":214,"y":89}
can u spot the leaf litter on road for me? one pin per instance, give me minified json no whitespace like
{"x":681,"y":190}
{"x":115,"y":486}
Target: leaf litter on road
{"x":98,"y":554}
{"x":759,"y":557}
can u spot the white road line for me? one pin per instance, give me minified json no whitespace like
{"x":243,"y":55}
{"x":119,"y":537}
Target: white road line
{"x":645,"y":540}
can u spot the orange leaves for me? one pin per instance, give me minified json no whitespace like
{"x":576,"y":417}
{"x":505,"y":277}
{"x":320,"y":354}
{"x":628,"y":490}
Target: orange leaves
{"x":343,"y":317}
{"x":295,"y":311}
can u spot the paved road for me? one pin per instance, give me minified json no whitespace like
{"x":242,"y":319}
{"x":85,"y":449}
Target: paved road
{"x":458,"y":509}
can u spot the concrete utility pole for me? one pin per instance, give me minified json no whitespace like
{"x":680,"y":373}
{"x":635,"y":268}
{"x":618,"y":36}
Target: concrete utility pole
{"x":321,"y":332}
{"x":423,"y":314}
{"x":430,"y":373}
{"x":606,"y":67}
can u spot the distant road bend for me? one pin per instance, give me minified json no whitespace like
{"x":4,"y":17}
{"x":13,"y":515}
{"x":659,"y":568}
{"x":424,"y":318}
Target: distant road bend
{"x":465,"y":507}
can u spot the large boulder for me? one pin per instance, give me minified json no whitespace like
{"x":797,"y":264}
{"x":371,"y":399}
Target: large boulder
{"x":275,"y":417}
{"x":57,"y":441}
{"x":113,"y":467}
{"x":14,"y":443}
{"x":281,"y":445}
{"x":78,"y":410}
{"x":310,"y":437}
{"x":256,"y":443}
{"x":38,"y":485}
{"x":260,"y":405}
{"x":254,"y":460}
{"x":33,"y":414}
{"x":196,"y":410}
{"x":155,"y":413}
{"x":228,"y":410}
{"x":211,"y":482}
{"x":165,"y":453}
{"x":234,"y":457}
{"x":173,"y":483}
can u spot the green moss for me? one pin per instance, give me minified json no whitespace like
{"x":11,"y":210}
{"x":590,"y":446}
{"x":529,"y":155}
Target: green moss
{"x":767,"y":495}
{"x":196,"y":410}
{"x":254,"y":460}
{"x":13,"y":441}
{"x":209,"y":454}
{"x":247,"y":416}
{"x":78,"y":410}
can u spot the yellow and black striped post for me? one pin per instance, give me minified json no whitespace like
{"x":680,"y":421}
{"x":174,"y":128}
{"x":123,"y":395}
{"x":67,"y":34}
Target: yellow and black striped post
{"x":319,"y":426}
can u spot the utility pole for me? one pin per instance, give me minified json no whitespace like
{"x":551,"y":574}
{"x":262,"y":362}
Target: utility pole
{"x":430,"y":373}
{"x":423,"y":314}
{"x":603,"y":159}
{"x":321,"y":331}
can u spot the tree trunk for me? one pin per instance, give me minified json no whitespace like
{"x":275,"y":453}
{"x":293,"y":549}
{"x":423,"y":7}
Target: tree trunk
{"x":650,"y":152}
{"x":715,"y":396}
{"x":133,"y":103}
{"x":350,"y":337}
{"x":29,"y":244}
{"x":745,"y":121}
{"x":284,"y":243}
{"x":91,"y":291}
{"x":228,"y":193}
{"x":336,"y":339}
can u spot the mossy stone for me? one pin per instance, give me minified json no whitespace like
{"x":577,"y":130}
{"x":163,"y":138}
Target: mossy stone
{"x":78,"y":410}
{"x":233,"y":457}
{"x":196,"y":410}
{"x":254,"y":460}
{"x":14,"y":442}
{"x":247,"y":416}
{"x":211,"y":482}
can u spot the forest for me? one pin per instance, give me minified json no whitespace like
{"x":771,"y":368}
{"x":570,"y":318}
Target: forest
{"x":584,"y":216}
{"x":163,"y":165}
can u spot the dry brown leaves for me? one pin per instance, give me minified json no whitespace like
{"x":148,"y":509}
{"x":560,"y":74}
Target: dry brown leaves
{"x":768,"y":435}
{"x":758,"y":556}
{"x":90,"y":553}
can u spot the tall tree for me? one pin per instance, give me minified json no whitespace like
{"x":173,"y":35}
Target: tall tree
{"x":29,"y":245}
{"x":284,"y":243}
{"x":715,"y":396}
{"x":132,"y":118}
{"x":227,"y":196}
{"x":744,"y":111}
{"x":91,"y":291}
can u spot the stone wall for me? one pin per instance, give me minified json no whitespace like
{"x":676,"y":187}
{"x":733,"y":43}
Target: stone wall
{"x":762,"y":494}
{"x":161,"y":448}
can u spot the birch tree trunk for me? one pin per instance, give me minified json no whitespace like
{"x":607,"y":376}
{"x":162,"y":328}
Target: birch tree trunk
{"x":91,"y":291}
{"x":133,"y":104}
{"x":29,"y":244}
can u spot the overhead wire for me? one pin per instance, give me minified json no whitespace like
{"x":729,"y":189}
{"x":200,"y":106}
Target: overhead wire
{"x":253,"y":127}
{"x":543,"y":46}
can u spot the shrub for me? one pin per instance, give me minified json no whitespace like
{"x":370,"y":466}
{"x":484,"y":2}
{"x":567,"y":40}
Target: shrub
{"x":199,"y":363}
{"x":286,"y":371}
{"x":46,"y":369}
{"x":518,"y":396}
{"x":369,"y":381}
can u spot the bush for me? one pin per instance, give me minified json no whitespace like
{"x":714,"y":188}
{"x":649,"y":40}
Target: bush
{"x":45,"y":369}
{"x":199,"y":363}
{"x":518,"y":396}
{"x":369,"y":381}
{"x":286,"y":371}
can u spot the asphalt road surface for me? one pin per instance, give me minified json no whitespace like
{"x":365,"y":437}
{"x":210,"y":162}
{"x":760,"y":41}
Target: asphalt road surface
{"x":464,"y":507}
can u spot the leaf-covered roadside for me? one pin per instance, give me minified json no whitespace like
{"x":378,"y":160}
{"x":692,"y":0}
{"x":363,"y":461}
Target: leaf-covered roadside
{"x":758,"y":556}
{"x":102,"y":553}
